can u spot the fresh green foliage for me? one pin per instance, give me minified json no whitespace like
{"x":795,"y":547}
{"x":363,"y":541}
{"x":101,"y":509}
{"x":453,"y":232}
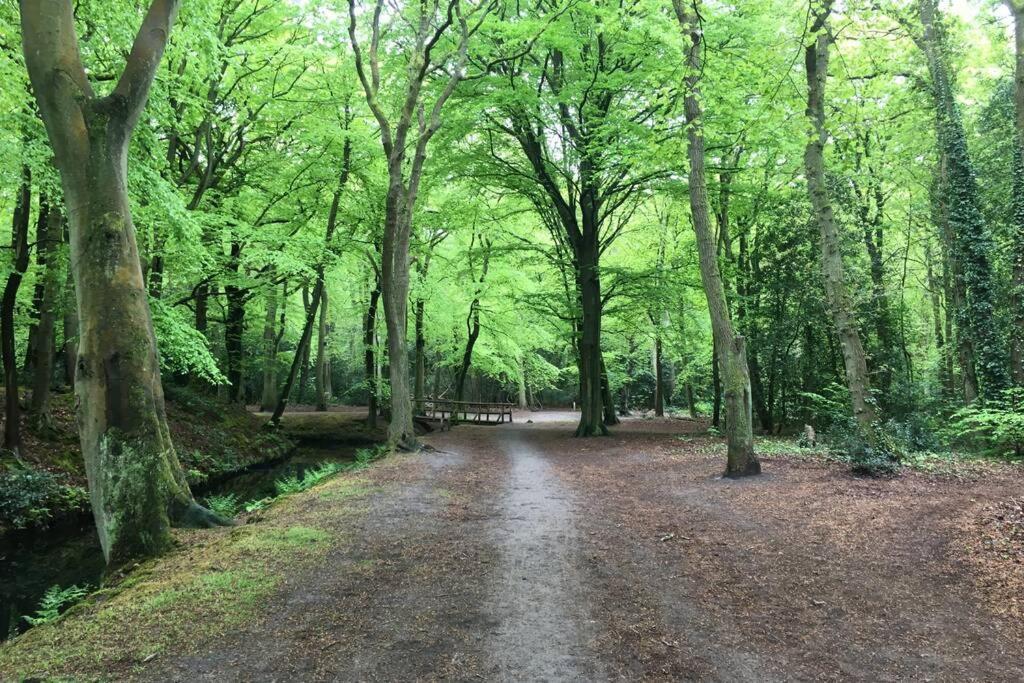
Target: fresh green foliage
{"x":183,"y":350}
{"x":997,"y":426}
{"x":55,"y":601}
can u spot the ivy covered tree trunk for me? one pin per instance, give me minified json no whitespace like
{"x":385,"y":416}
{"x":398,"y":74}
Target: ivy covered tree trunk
{"x":1017,"y":257}
{"x":955,"y":290}
{"x":730,"y":347}
{"x":972,"y":243}
{"x":840,"y":306}
{"x":136,"y":484}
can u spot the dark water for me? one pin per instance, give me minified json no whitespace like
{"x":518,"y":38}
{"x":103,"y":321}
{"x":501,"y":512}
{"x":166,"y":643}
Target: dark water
{"x":33,"y":561}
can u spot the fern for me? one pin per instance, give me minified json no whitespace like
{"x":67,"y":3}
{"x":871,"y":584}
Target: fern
{"x":54,"y":601}
{"x":226,"y":506}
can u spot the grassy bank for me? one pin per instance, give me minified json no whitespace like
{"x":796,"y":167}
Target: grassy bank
{"x":214,"y":582}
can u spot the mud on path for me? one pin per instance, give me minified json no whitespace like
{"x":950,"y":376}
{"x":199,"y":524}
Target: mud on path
{"x":520,"y":553}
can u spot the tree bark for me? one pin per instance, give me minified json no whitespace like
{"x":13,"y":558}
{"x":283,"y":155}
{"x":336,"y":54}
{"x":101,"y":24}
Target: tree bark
{"x":854,"y":360}
{"x":20,"y":256}
{"x":730,"y":346}
{"x":137,"y":486}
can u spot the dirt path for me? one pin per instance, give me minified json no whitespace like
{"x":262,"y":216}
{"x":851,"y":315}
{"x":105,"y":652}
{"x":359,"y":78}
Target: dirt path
{"x":538,"y":598}
{"x":519,"y":553}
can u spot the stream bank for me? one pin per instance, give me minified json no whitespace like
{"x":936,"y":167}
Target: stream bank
{"x":247,"y":463}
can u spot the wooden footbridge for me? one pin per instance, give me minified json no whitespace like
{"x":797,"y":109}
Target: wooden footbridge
{"x":475,"y":412}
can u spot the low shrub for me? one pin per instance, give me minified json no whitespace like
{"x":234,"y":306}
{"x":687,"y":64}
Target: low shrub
{"x":30,"y":497}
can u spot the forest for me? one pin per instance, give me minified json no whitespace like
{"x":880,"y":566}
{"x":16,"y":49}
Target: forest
{"x":742,"y":270}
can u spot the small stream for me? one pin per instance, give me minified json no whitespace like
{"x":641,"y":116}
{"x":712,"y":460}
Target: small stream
{"x":69,"y":554}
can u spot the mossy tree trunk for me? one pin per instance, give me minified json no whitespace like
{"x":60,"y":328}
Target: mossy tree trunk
{"x":137,"y":486}
{"x":840,"y":306}
{"x":730,"y":347}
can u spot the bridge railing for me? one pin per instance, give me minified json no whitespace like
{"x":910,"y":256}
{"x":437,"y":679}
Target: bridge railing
{"x":479,"y":412}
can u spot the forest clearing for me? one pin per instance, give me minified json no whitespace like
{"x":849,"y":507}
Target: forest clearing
{"x":512,"y":340}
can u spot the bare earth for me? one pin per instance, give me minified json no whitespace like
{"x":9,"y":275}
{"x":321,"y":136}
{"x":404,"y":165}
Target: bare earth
{"x":519,"y":553}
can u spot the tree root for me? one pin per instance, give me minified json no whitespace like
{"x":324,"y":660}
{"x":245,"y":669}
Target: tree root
{"x":195,"y":516}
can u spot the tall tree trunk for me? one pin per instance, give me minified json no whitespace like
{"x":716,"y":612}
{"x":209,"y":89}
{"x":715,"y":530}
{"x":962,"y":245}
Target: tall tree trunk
{"x":42,"y":366}
{"x":716,"y":388}
{"x":973,"y":245}
{"x":302,"y":351}
{"x":19,"y":264}
{"x":136,"y":483}
{"x":610,"y":418}
{"x":322,"y":367}
{"x":955,"y":289}
{"x":234,"y":330}
{"x":420,"y":379}
{"x":395,"y":293}
{"x":855,"y":363}
{"x":473,"y":333}
{"x":521,"y":384}
{"x":268,"y":397}
{"x":659,"y":382}
{"x":370,"y":354}
{"x":731,"y":347}
{"x":589,"y":284}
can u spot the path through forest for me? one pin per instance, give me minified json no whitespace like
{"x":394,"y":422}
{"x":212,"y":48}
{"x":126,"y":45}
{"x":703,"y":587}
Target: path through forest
{"x":520,"y":553}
